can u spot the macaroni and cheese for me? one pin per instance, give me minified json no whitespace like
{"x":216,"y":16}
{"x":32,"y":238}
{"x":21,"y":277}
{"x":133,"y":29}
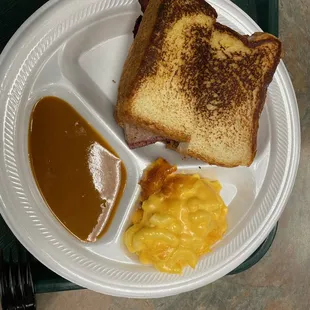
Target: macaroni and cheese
{"x":178,"y":223}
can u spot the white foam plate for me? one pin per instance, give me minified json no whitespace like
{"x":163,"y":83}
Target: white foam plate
{"x":74,"y":50}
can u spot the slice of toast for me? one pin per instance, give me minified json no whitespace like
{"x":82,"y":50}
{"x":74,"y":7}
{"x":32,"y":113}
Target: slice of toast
{"x":232,"y":87}
{"x":193,"y":80}
{"x":150,"y":82}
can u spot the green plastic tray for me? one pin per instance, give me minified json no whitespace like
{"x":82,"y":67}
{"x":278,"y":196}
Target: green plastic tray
{"x":12,"y":14}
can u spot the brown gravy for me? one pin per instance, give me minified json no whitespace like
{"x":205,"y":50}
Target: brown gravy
{"x":78,"y":173}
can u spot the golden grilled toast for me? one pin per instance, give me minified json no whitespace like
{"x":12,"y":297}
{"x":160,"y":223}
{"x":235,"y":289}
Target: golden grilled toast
{"x":193,"y":80}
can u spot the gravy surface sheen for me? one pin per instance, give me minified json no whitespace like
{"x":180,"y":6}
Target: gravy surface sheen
{"x":78,"y":173}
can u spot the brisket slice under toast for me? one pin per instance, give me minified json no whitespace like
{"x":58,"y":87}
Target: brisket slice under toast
{"x":138,"y":137}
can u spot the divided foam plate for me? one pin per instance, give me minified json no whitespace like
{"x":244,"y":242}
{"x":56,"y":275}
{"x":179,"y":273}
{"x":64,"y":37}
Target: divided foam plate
{"x":75,"y":50}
